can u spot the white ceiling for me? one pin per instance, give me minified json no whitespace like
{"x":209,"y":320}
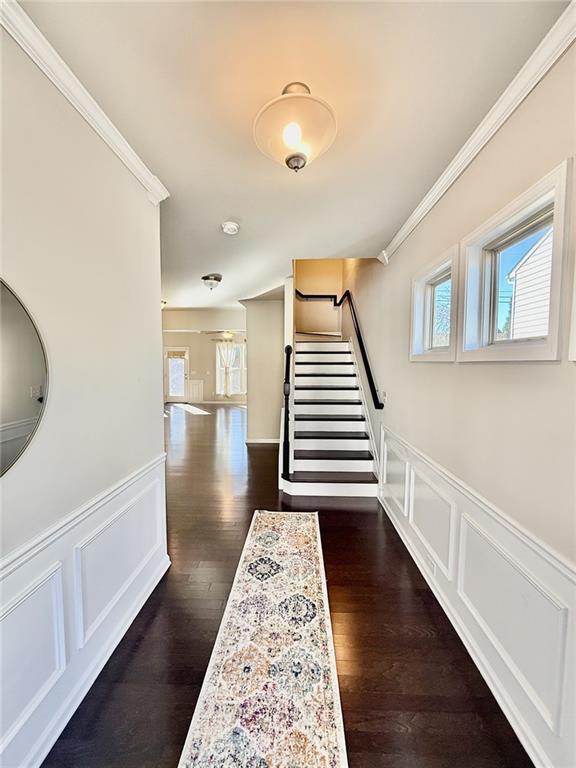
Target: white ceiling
{"x":409,"y":82}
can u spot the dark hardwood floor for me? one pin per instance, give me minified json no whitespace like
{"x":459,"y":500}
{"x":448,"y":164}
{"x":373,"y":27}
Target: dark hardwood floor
{"x":412,"y":698}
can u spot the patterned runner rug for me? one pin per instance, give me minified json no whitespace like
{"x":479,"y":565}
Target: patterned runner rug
{"x":270,"y":696}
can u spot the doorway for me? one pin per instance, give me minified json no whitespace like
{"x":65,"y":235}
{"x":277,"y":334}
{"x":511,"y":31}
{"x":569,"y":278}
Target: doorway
{"x":176,"y":374}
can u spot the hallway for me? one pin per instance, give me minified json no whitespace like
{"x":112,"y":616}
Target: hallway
{"x":411,"y":696}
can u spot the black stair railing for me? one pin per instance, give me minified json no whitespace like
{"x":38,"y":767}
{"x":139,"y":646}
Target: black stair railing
{"x":286,"y":390}
{"x":338,"y":302}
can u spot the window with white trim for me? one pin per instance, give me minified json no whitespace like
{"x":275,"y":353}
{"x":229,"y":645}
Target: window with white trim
{"x":511,"y":267}
{"x":433,"y":311}
{"x":230,"y":368}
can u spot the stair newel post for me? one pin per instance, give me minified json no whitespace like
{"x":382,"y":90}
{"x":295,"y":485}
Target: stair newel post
{"x":286,"y":390}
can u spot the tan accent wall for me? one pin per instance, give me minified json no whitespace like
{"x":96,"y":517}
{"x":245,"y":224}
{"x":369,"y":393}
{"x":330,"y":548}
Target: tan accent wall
{"x":265,"y":358}
{"x":317,"y":276}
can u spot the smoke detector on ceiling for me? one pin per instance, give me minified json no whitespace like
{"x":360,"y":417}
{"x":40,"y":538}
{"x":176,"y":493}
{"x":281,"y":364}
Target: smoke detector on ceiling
{"x":230,"y":227}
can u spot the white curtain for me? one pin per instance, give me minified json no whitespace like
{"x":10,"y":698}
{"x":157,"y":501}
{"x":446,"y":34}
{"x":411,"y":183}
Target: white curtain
{"x":225,"y":351}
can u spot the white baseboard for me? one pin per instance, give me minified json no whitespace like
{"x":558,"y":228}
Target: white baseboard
{"x":510,"y":598}
{"x":79,"y":586}
{"x":256,"y":440}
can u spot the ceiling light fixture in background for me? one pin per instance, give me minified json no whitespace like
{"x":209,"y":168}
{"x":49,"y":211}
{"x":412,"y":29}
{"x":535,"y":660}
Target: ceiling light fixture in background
{"x":212,"y":280}
{"x":230,"y":227}
{"x":295,"y":128}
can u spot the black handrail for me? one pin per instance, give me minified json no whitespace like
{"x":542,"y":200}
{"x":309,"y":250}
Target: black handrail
{"x":286,"y":390}
{"x":338,"y":302}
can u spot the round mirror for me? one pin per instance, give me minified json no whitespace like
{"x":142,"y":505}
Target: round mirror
{"x":23,"y":378}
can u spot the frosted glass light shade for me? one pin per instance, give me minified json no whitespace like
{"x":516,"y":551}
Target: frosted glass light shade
{"x":295,"y":129}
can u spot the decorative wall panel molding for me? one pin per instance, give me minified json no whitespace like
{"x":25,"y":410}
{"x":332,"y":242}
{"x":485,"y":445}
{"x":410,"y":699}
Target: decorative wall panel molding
{"x":396,"y":476}
{"x":15,"y":430}
{"x":432,"y":515}
{"x":510,"y":597}
{"x":19,"y":25}
{"x":70,"y":595}
{"x":32,"y":630}
{"x":538,"y":665}
{"x":103,"y":572}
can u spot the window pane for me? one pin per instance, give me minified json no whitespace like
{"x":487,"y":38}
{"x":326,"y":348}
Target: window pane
{"x":176,"y":377}
{"x":522,"y":287}
{"x":441,"y":305}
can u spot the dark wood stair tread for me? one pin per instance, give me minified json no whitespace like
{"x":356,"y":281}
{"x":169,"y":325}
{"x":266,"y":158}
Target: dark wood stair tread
{"x":333,"y":477}
{"x":327,"y":402}
{"x":329,"y":417}
{"x":326,"y":375}
{"x":327,"y":387}
{"x":334,"y":455}
{"x":323,"y":352}
{"x":318,"y":435}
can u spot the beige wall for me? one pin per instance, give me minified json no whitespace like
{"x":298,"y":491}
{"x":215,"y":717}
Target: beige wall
{"x":265,"y":358}
{"x":80,"y":246}
{"x":218,"y":319}
{"x":202,"y":356}
{"x":317,"y":276}
{"x":506,"y":429}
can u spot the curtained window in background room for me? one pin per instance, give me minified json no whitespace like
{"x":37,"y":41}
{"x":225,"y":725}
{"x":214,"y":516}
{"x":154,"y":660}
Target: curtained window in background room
{"x":230,"y":368}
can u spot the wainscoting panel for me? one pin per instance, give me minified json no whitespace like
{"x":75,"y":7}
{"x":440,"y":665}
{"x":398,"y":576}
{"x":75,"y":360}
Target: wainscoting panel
{"x":109,"y":560}
{"x":395,"y":476}
{"x":511,"y":599}
{"x":41,"y":654}
{"x":487,"y":570}
{"x":70,"y":596}
{"x":432,"y":515}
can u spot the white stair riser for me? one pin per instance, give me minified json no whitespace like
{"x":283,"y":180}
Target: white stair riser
{"x":326,"y":381}
{"x":319,"y":346}
{"x":339,"y":444}
{"x":329,"y":426}
{"x":331,"y":369}
{"x":327,"y":394}
{"x":333,"y":465}
{"x":300,"y":358}
{"x":336,"y":409}
{"x":366,"y":490}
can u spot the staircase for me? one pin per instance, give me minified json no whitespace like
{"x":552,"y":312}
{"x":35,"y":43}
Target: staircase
{"x":331,"y":453}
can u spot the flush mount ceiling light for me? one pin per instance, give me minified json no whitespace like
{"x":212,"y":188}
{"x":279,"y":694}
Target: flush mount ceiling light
{"x":230,"y":227}
{"x":295,"y":128}
{"x":212,"y":281}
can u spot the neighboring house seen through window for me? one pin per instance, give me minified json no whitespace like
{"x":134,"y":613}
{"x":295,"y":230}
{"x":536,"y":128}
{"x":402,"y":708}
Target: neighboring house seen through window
{"x":512,"y":266}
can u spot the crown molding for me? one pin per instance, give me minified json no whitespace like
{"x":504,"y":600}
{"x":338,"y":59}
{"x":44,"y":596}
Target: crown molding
{"x":556,"y":42}
{"x":19,"y":25}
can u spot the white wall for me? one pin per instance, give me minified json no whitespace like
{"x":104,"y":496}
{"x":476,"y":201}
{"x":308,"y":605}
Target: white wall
{"x":83,"y":509}
{"x":265,"y":363}
{"x":506,"y":429}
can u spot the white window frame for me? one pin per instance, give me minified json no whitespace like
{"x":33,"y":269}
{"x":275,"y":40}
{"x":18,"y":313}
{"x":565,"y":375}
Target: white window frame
{"x":475,"y":293}
{"x":242,"y":369}
{"x":422,"y":293}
